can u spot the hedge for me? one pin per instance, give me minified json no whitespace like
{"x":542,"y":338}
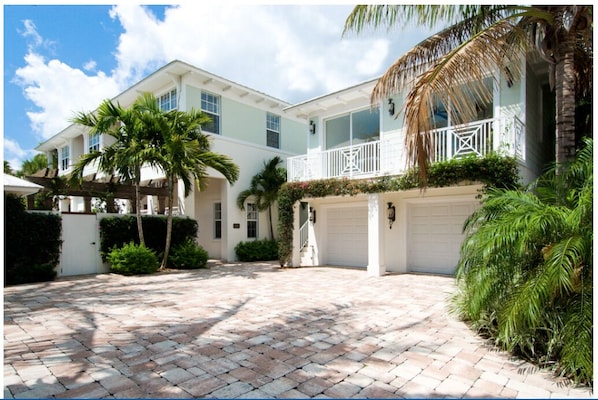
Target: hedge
{"x":31,"y":243}
{"x":115,"y":232}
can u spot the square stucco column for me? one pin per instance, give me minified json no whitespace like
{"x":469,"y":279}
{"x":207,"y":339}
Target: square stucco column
{"x":376,"y":265}
{"x":296,"y":255}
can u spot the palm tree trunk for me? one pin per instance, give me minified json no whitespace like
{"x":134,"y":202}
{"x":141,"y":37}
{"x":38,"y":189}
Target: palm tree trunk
{"x":138,"y":213}
{"x":168,"y":222}
{"x":270,"y":219}
{"x":565,"y":100}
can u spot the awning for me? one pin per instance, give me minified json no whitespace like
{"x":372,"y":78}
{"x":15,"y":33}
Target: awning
{"x":20,"y":187}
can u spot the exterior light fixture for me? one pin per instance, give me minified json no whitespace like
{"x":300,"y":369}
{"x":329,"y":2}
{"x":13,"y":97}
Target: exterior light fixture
{"x":391,"y":214}
{"x":312,"y":127}
{"x":312,"y":215}
{"x":391,"y":107}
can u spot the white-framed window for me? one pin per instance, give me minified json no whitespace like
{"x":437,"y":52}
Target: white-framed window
{"x":252,"y":216}
{"x":168,"y":101}
{"x":217,"y":220}
{"x":210,"y":105}
{"x":273,"y":130}
{"x":64,"y":158}
{"x":94,"y":143}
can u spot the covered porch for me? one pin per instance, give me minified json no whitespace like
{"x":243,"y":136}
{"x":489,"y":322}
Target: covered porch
{"x":387,"y":155}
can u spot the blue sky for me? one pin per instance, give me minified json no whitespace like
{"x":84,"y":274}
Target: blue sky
{"x":63,"y":59}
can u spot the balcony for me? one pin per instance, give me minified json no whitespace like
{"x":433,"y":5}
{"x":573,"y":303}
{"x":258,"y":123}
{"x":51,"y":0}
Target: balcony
{"x":387,"y":156}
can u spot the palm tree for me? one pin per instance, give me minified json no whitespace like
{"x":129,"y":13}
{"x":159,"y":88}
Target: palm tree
{"x":132,"y":148}
{"x":481,"y":38}
{"x":31,"y":166}
{"x":185,"y":153}
{"x":264,"y":188}
{"x":526,"y":269}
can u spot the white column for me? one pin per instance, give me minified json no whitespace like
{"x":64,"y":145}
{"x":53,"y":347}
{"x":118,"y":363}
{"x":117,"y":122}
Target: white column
{"x":376,"y":265}
{"x":296,"y":255}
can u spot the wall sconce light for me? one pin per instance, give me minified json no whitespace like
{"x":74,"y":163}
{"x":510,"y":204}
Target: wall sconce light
{"x":391,"y":107}
{"x":312,"y":215}
{"x":312,"y":127}
{"x":391,"y":214}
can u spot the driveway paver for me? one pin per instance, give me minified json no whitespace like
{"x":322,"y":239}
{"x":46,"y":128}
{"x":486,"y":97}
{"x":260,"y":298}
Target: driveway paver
{"x":254,"y":331}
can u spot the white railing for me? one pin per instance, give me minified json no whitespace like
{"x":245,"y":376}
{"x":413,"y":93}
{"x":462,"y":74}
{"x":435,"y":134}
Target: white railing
{"x":303,"y":235}
{"x":387,"y":157}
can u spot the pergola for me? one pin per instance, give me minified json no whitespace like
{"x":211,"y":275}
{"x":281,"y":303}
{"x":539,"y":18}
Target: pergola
{"x":94,"y":186}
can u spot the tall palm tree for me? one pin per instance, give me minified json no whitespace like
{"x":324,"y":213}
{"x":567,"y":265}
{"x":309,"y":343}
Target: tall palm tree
{"x":185,"y":154}
{"x":480,"y":39}
{"x":526,"y":269}
{"x":132,"y":148}
{"x":264,"y":188}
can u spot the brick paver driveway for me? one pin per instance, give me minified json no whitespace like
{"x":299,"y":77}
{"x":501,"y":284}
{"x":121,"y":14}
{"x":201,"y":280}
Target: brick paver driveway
{"x":253,"y":331}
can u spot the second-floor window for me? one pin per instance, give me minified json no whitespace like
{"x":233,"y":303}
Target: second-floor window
{"x":64,"y":158}
{"x":210,"y":105}
{"x":252,"y":215}
{"x":94,"y":143}
{"x":273,"y":130}
{"x":168,"y":101}
{"x":217,"y":220}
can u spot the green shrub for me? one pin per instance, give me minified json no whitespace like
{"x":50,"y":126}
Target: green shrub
{"x":257,"y":250}
{"x":117,"y":231}
{"x":132,"y":259}
{"x":188,"y":255}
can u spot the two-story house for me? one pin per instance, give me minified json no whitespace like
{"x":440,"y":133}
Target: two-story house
{"x":413,"y":230}
{"x":337,"y":135}
{"x":249,"y":126}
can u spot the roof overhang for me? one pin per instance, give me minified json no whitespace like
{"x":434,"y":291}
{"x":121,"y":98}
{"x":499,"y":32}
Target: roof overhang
{"x":20,"y":187}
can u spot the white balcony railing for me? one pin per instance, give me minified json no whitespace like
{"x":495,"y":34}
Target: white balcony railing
{"x":387,"y":157}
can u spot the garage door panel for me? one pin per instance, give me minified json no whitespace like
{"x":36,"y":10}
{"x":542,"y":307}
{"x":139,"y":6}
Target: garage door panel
{"x":435,"y":234}
{"x":347,"y":239}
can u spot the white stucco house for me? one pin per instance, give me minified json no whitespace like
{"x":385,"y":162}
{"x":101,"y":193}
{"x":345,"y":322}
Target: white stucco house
{"x":338,"y":135}
{"x":249,"y":126}
{"x":350,"y":139}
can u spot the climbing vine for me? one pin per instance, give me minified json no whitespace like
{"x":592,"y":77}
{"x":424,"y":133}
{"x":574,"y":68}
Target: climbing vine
{"x":492,"y":171}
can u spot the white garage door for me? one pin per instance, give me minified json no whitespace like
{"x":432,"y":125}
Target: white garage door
{"x":434,"y":235}
{"x":347,"y":241}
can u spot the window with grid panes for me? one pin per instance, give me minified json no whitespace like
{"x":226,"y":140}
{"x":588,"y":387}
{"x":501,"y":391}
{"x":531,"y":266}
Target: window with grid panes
{"x":94,"y":142}
{"x":217,"y":220}
{"x":64,"y":158}
{"x":273,"y":130}
{"x":252,"y":215}
{"x":168,"y":101}
{"x":210,"y":105}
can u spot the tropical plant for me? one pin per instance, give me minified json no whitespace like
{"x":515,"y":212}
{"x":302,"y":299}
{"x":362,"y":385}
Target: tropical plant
{"x":133,"y":145}
{"x":264,"y":188}
{"x":184,"y":154}
{"x":132,"y":259}
{"x":188,"y":255}
{"x":526,"y":270}
{"x":481,"y":38}
{"x":7,"y":168}
{"x":31,"y":166}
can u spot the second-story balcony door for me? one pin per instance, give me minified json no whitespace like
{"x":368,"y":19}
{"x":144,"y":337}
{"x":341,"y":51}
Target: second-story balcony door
{"x":357,"y":132}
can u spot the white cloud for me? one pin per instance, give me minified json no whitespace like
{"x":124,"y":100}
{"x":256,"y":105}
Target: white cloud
{"x":58,"y":91}
{"x":291,"y":52}
{"x":14,"y":154}
{"x":90,"y":65}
